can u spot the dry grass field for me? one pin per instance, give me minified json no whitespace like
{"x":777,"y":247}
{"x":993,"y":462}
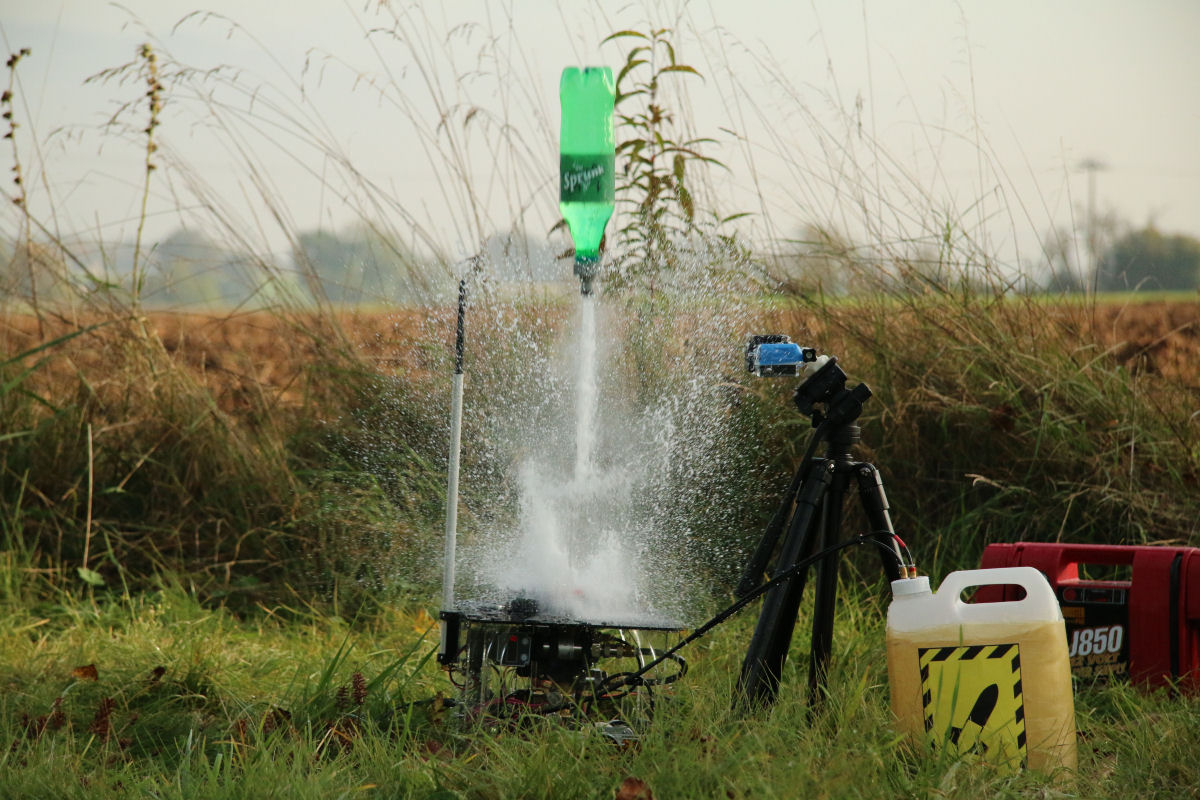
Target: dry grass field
{"x":1159,"y":337}
{"x":266,"y":356}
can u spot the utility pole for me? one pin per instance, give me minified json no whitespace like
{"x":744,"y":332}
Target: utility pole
{"x":1091,"y":166}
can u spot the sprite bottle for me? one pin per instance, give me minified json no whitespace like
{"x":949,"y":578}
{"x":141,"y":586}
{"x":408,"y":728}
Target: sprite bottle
{"x":587,"y":163}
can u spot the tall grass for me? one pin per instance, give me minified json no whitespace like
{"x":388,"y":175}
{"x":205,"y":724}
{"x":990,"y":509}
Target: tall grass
{"x":1001,"y":411}
{"x":115,"y":435}
{"x":999,"y":418}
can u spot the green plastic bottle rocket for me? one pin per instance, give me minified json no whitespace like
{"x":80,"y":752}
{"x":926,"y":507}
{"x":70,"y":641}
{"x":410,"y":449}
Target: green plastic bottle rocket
{"x":587,"y":163}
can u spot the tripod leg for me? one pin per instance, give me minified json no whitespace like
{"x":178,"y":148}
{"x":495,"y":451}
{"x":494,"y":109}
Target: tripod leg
{"x":826,"y":593}
{"x":753,"y":575}
{"x":875,"y":506}
{"x":758,"y":684}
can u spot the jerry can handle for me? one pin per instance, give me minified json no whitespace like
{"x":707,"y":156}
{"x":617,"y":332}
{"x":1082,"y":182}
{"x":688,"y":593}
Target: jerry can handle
{"x":1039,"y":596}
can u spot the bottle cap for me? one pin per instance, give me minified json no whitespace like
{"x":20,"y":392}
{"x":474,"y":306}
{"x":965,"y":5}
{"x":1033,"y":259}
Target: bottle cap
{"x":910,"y":586}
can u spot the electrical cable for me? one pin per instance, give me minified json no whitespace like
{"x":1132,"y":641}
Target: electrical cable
{"x":635,"y":678}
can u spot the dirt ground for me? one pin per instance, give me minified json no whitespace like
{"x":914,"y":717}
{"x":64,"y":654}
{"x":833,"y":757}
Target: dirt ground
{"x":1158,"y":337}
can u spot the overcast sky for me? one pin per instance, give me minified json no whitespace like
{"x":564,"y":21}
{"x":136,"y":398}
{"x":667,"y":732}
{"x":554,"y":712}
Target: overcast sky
{"x":977,"y":110}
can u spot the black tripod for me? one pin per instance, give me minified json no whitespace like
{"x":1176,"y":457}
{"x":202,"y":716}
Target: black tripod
{"x":811,"y":513}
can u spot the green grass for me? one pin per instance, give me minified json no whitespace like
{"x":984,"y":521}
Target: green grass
{"x":189,"y":701}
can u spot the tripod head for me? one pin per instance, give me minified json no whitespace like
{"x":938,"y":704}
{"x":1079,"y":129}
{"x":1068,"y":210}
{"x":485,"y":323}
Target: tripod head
{"x":827,"y":386}
{"x":775,"y":355}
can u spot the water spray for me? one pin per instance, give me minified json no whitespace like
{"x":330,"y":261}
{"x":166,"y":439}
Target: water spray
{"x":536,"y":651}
{"x":533,"y":649}
{"x":520,"y":657}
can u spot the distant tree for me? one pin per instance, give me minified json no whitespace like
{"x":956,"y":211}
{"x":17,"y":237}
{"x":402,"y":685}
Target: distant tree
{"x":32,"y":272}
{"x":518,"y":257}
{"x":818,"y":260}
{"x":1148,"y":259}
{"x":1058,"y":270}
{"x":357,"y":266}
{"x":188,"y":269}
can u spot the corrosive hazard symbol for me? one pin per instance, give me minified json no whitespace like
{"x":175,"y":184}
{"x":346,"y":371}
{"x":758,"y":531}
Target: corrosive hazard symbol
{"x":972,"y":699}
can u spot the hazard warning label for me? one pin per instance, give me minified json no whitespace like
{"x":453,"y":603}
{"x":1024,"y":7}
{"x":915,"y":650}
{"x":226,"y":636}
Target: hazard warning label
{"x":972,"y":699}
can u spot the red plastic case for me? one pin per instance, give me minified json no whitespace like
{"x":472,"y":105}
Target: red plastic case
{"x":1146,"y":627}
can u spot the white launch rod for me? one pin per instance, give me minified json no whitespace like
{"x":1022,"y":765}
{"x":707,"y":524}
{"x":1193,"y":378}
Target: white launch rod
{"x":456,"y":406}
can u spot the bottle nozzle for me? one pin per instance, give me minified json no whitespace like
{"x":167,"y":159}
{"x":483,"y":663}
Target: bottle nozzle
{"x":586,"y":268}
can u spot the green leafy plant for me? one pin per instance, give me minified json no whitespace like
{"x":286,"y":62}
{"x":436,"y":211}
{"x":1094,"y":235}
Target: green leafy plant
{"x":659,"y":170}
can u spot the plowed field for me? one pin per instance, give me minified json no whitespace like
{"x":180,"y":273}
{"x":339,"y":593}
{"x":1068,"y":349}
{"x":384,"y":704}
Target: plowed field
{"x":1159,"y":337}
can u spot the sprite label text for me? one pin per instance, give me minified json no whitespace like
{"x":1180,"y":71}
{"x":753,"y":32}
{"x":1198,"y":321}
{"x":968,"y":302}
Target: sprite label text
{"x":586,"y":178}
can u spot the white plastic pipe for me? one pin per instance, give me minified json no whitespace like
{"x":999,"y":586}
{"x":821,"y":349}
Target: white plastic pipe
{"x":456,"y":407}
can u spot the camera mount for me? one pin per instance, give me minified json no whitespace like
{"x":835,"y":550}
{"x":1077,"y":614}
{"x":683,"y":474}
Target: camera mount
{"x":809,"y":521}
